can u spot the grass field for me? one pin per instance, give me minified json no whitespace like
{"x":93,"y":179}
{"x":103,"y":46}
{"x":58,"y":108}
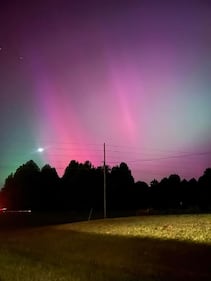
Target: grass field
{"x":127,"y":249}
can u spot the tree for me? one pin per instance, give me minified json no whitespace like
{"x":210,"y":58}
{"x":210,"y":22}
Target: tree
{"x":21,"y":188}
{"x":120,"y":188}
{"x":49,"y":189}
{"x":141,"y":195}
{"x":69,"y":186}
{"x":27,"y":180}
{"x":9,"y":196}
{"x":174,"y":191}
{"x":78,"y":185}
{"x":204,"y":191}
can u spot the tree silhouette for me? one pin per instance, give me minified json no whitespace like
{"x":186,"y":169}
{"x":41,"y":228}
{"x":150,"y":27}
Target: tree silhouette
{"x":81,"y":188}
{"x":78,"y":185}
{"x":22,"y":187}
{"x":174,"y":192}
{"x":204,"y":191}
{"x":49,"y":189}
{"x":9,"y":194}
{"x":120,"y":188}
{"x":69,"y":185}
{"x":141,"y":195}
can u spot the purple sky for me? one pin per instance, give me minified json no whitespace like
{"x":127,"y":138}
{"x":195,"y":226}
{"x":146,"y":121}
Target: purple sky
{"x":132,"y":74}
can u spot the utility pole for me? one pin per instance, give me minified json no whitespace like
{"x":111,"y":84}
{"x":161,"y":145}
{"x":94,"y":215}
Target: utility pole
{"x":104,"y":172}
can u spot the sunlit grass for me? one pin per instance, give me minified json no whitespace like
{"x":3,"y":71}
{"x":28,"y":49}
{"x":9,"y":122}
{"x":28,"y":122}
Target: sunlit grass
{"x":127,"y":249}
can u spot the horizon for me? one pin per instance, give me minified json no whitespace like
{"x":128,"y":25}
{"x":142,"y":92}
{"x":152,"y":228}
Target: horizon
{"x":109,"y":166}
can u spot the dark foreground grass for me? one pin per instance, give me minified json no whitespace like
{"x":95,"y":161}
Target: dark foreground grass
{"x":109,"y":251}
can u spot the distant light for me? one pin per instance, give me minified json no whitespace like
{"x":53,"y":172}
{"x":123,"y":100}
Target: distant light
{"x":40,"y":149}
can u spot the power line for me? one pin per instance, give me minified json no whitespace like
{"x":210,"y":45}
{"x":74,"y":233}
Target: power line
{"x":172,"y":156}
{"x":82,"y":147}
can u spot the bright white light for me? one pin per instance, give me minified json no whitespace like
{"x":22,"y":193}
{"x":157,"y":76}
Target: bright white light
{"x":40,"y":149}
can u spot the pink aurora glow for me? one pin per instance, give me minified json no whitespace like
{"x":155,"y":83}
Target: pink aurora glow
{"x":135,"y":76}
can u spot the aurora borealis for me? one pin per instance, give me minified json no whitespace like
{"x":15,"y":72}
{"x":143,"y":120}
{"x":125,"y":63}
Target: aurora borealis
{"x":132,"y":74}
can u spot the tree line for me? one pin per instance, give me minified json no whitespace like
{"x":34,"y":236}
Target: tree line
{"x":81,"y":188}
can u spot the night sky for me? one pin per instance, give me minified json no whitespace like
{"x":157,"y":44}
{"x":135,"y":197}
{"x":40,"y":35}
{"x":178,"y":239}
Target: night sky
{"x":133,"y":74}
